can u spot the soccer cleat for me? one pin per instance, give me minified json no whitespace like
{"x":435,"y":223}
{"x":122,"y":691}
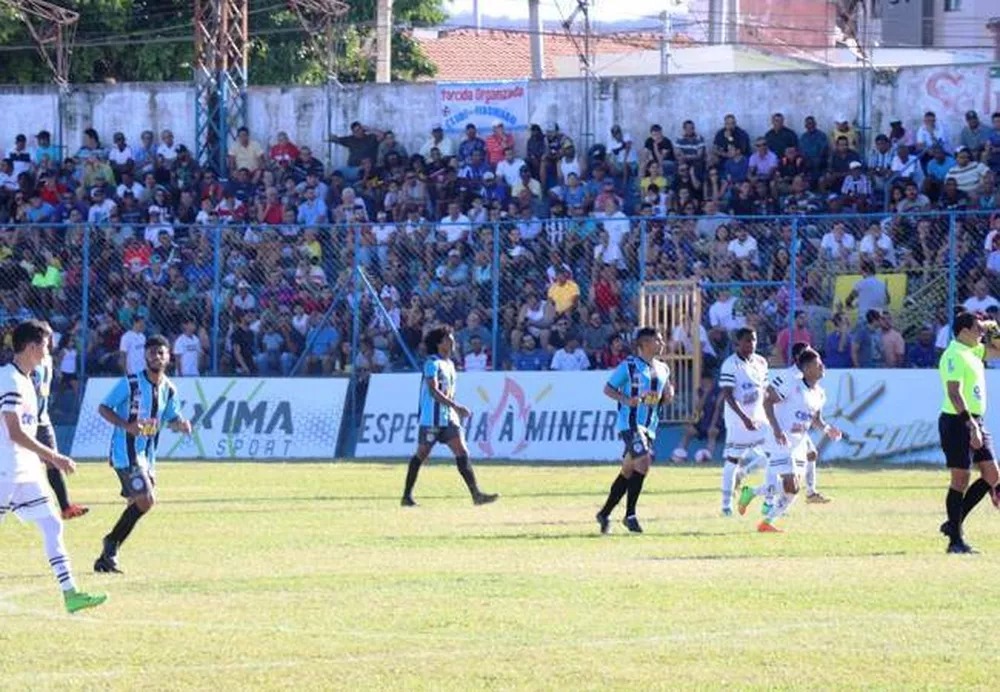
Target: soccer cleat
{"x":632,"y":524}
{"x":485,"y":498}
{"x":746,"y":497}
{"x":765,"y":509}
{"x":817,"y":499}
{"x":767,"y":527}
{"x":961,"y":548}
{"x":74,"y":511}
{"x":107,"y":565}
{"x":604,"y":522}
{"x":945,"y":528}
{"x":408,"y":502}
{"x":79,"y":600}
{"x":727,"y":511}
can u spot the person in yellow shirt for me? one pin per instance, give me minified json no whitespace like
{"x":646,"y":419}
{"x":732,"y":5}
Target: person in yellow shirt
{"x":564,"y":293}
{"x":842,"y":128}
{"x":246,"y":153}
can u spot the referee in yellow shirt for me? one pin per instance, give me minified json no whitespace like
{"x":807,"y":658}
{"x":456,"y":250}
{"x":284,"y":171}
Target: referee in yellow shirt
{"x":964,"y":437}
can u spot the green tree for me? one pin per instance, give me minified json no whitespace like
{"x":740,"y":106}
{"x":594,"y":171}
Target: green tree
{"x":152,"y":41}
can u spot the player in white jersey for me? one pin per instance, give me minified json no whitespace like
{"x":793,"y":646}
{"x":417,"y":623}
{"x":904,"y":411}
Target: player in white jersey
{"x":813,"y":496}
{"x":743,"y":380}
{"x":41,"y":378}
{"x":23,"y":490}
{"x":793,"y":406}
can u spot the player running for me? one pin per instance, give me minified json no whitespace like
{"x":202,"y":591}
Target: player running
{"x":441,"y":417}
{"x":639,"y":385}
{"x":743,"y":380}
{"x":22,"y":490}
{"x":813,"y":496}
{"x":137,"y":407}
{"x":41,"y":378}
{"x":793,"y":406}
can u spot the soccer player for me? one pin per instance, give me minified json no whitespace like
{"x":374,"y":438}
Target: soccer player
{"x":964,"y":437}
{"x":441,"y":417}
{"x":639,"y":385}
{"x":793,"y":406}
{"x":813,"y":496}
{"x":41,"y":378}
{"x":743,"y":380}
{"x":22,"y":489}
{"x":137,"y":406}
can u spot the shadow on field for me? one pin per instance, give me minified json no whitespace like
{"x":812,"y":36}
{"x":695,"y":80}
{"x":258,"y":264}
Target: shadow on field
{"x":758,"y":556}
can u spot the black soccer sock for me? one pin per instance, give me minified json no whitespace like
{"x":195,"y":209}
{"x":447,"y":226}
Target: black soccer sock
{"x":615,"y":495}
{"x":129,"y":518}
{"x":468,"y":475}
{"x":411,"y":475}
{"x":976,"y":492}
{"x":953,"y":503}
{"x":634,"y":490}
{"x":58,"y":484}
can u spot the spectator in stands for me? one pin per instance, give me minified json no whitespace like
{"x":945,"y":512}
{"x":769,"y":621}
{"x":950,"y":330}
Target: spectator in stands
{"x":931,"y":134}
{"x":437,"y":140}
{"x":893,"y":345}
{"x":622,"y":160}
{"x":570,"y":356}
{"x":564,"y":294}
{"x":787,"y":337}
{"x":361,"y":144}
{"x":921,"y":353}
{"x":980,"y":300}
{"x":871,"y":293}
{"x":246,"y":154}
{"x":838,"y":351}
{"x":476,"y":358}
{"x":243,"y":343}
{"x":838,"y":244}
{"x":842,"y":128}
{"x":730,"y":139}
{"x":967,"y":172}
{"x":763,"y":163}
{"x":866,"y":342}
{"x":528,"y":356}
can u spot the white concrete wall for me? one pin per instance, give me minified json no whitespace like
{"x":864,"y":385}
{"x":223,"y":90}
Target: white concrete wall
{"x":410,"y":109}
{"x":965,"y":26}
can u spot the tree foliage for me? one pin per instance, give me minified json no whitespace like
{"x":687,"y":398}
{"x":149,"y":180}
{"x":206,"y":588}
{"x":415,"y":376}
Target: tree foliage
{"x":152,"y":41}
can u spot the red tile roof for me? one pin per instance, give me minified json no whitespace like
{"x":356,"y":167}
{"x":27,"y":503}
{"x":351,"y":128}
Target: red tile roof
{"x":462,"y":54}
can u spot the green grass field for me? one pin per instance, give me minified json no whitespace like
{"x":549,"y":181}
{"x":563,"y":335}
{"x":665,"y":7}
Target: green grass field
{"x":311,"y":577}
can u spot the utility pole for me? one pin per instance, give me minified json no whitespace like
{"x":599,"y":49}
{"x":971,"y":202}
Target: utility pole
{"x":383,"y":41}
{"x":537,"y":39}
{"x":667,"y":18}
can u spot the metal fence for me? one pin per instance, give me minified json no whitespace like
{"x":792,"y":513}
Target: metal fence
{"x":352,"y":299}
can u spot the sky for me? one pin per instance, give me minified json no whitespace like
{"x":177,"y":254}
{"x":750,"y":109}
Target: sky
{"x":559,"y":10}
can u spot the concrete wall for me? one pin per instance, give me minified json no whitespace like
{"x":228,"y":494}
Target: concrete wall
{"x":410,"y":109}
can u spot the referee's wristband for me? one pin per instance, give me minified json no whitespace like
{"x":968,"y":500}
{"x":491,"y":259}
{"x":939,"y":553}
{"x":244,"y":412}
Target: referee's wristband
{"x":965,"y":416}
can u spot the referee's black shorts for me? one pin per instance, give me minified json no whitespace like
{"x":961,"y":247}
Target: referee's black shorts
{"x":956,"y":442}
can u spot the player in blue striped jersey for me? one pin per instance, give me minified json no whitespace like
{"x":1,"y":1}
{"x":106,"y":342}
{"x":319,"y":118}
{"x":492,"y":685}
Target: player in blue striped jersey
{"x":137,"y":407}
{"x":41,"y":378}
{"x":639,"y":385}
{"x":441,"y":417}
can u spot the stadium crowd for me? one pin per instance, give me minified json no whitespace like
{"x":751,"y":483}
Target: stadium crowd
{"x":278,"y":232}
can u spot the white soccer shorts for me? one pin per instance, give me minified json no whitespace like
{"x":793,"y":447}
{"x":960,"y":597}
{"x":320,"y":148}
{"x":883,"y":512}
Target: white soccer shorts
{"x":28,"y":501}
{"x":740,"y":441}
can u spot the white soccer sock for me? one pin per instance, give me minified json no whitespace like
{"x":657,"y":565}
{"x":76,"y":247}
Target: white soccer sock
{"x":55,"y":551}
{"x":781,"y":504}
{"x":728,"y":483}
{"x":755,"y":459}
{"x":811,"y":477}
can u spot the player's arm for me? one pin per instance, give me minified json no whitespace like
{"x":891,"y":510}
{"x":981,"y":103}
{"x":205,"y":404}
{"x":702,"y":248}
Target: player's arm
{"x":172,"y":415}
{"x":772,"y":397}
{"x":22,"y":439}
{"x":114,"y":400}
{"x":729,"y":399}
{"x":831,"y":431}
{"x":442,"y":398}
{"x":615,"y":386}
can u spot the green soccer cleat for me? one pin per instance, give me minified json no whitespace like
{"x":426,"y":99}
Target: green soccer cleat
{"x":79,"y":600}
{"x":746,"y":497}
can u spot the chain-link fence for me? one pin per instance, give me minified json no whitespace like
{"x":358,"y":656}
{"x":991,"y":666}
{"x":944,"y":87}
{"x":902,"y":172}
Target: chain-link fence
{"x":521,"y":291}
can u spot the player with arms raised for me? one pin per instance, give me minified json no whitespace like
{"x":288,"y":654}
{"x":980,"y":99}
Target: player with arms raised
{"x":137,"y":407}
{"x":41,"y":378}
{"x":22,"y":490}
{"x":441,"y":417}
{"x":964,"y":437}
{"x":743,"y":380}
{"x":793,"y":406}
{"x":639,"y":385}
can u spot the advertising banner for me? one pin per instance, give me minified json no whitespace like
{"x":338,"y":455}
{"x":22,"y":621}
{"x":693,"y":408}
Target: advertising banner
{"x":482,"y":103}
{"x":543,"y":416}
{"x":234,"y":418}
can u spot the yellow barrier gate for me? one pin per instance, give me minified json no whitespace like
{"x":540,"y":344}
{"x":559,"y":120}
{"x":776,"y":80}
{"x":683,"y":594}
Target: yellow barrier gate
{"x":674,"y":308}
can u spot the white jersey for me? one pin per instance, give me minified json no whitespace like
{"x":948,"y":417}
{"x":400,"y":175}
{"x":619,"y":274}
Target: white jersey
{"x":133,"y":345}
{"x":748,"y":380}
{"x":188,"y":352}
{"x":796,"y":409}
{"x":41,"y":378}
{"x":17,"y":395}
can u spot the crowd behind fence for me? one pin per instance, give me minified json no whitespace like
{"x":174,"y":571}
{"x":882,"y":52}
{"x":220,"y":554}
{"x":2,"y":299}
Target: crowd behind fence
{"x":534,"y":252}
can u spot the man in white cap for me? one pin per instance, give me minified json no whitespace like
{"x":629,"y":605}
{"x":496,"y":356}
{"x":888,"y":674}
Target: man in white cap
{"x":856,"y":189}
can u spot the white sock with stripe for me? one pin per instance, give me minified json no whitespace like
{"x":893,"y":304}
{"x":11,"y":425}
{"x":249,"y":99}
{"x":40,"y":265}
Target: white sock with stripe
{"x":728,"y":483}
{"x":55,"y":551}
{"x":782,"y":502}
{"x":811,"y":477}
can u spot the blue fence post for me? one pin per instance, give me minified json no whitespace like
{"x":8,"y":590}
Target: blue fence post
{"x":793,"y":286}
{"x":216,"y":295}
{"x":85,"y":307}
{"x":643,"y":253}
{"x":952,"y":268}
{"x":495,"y":277}
{"x":355,"y":326}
